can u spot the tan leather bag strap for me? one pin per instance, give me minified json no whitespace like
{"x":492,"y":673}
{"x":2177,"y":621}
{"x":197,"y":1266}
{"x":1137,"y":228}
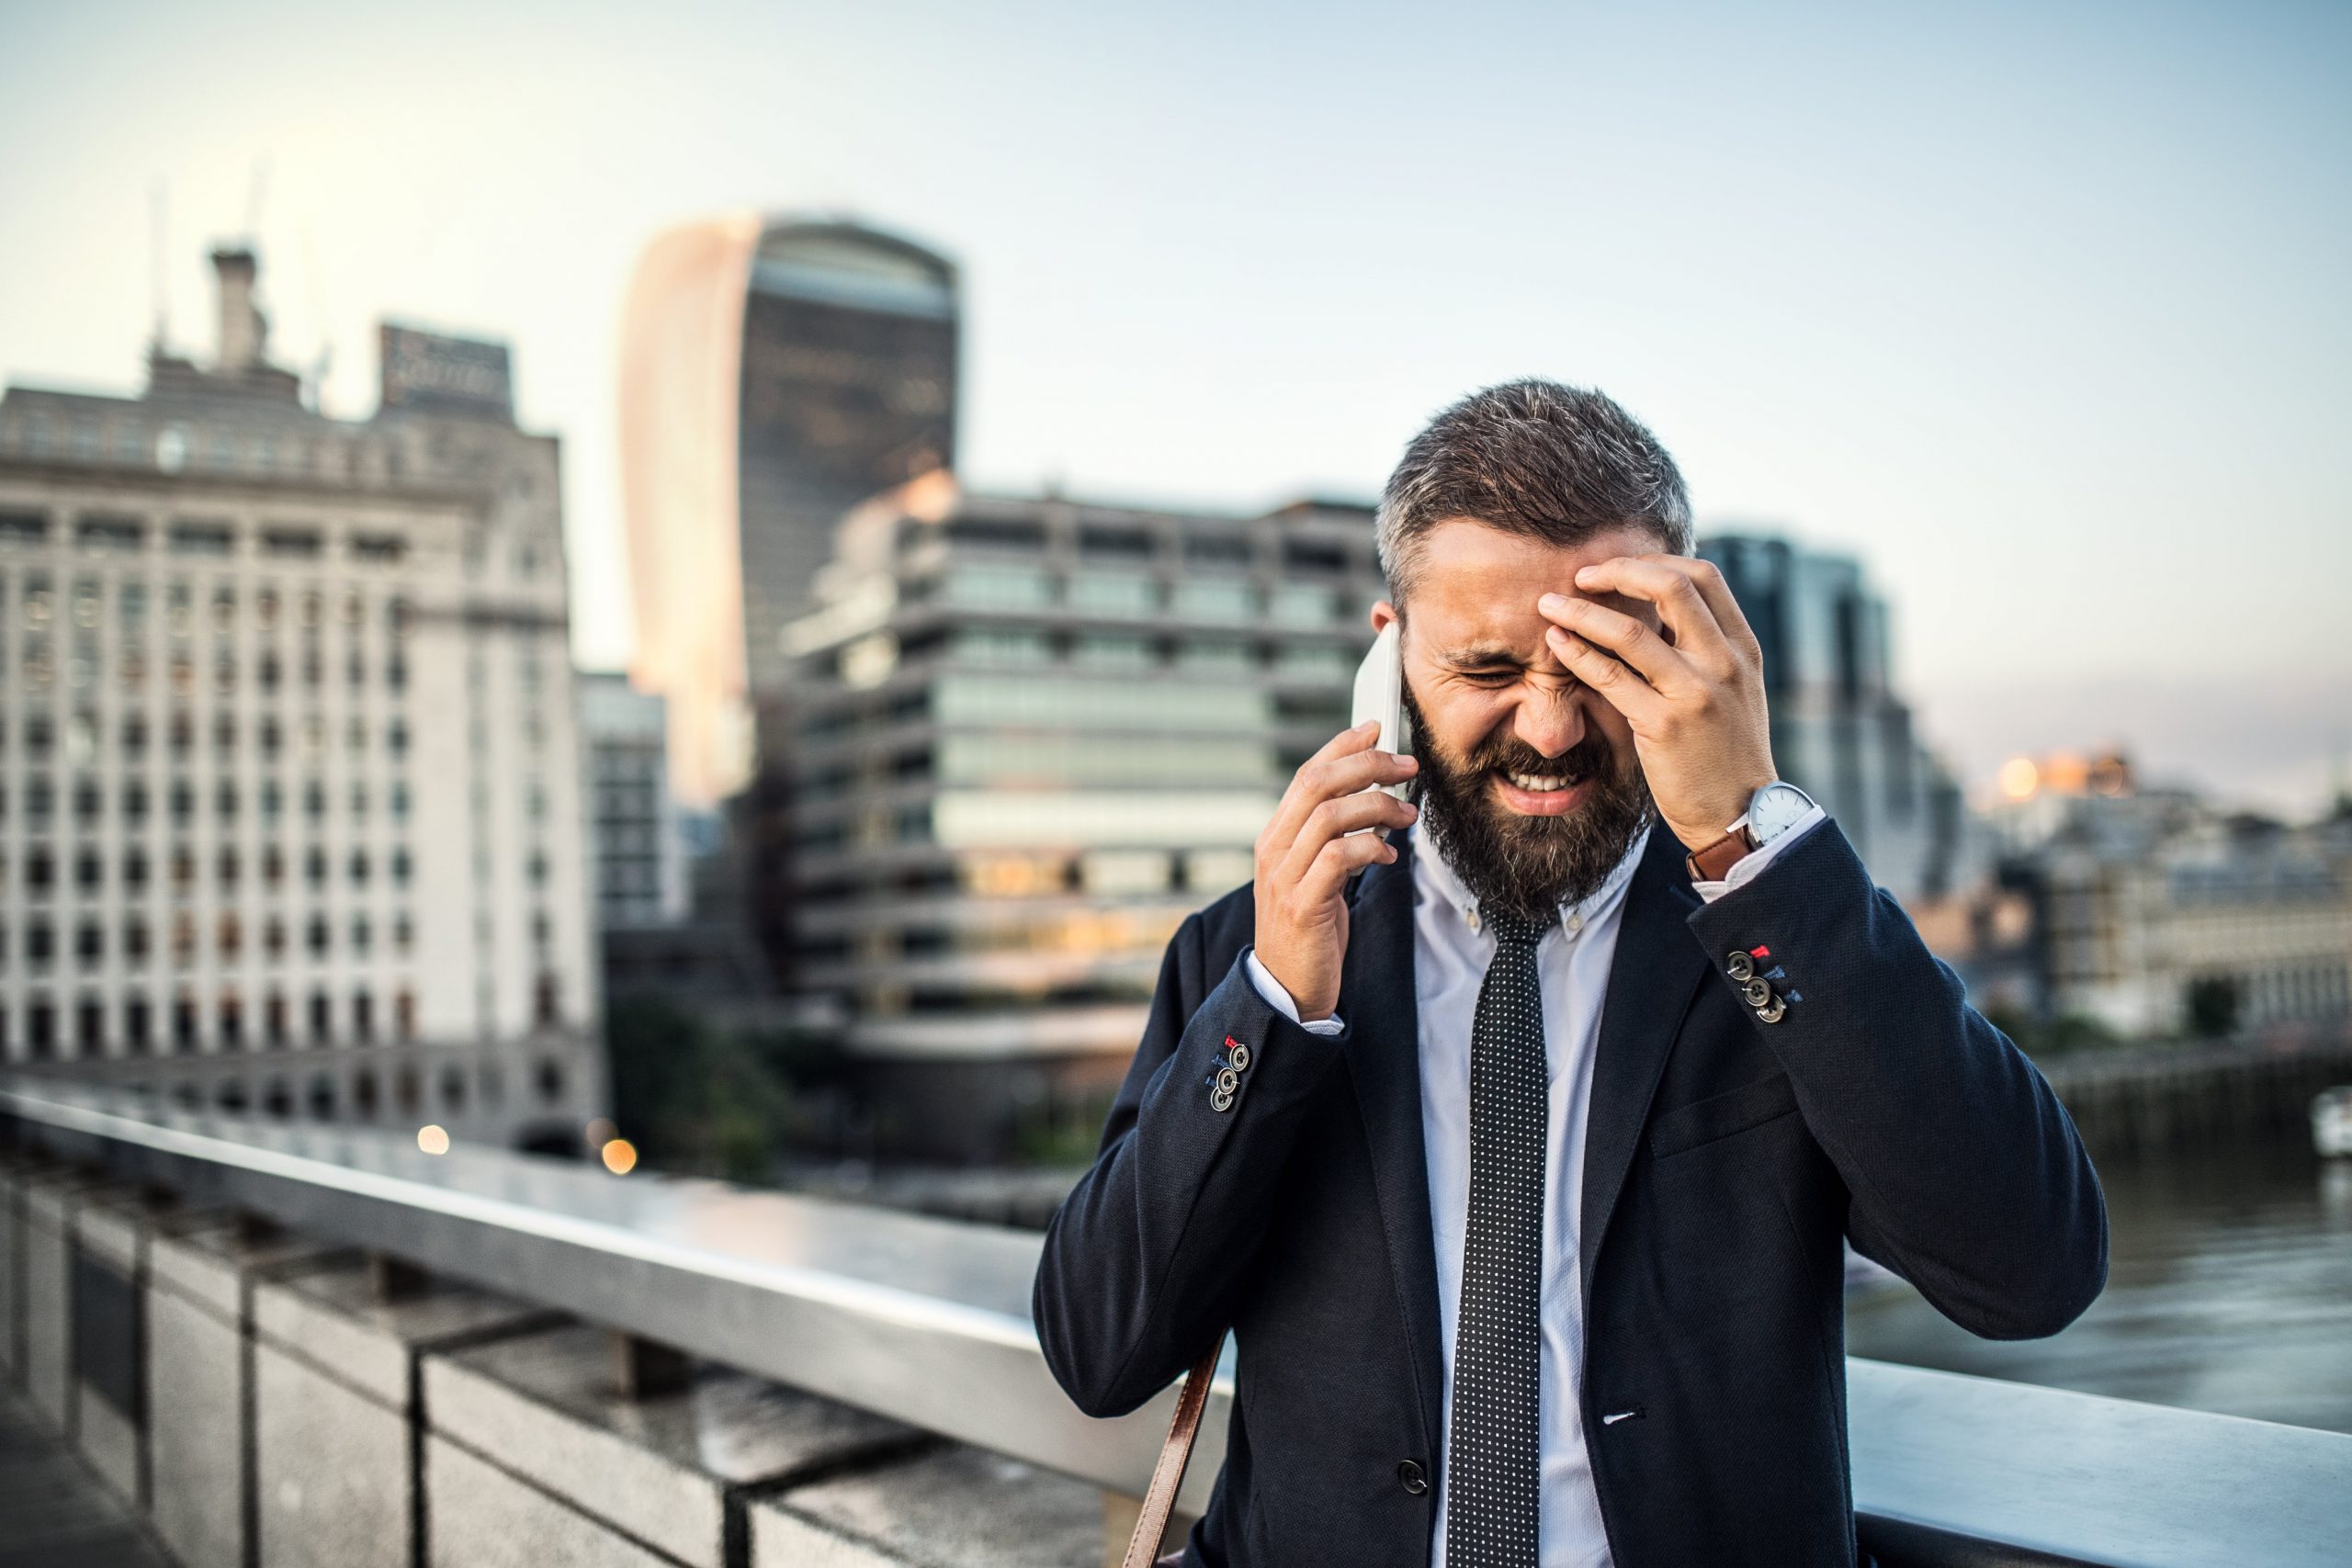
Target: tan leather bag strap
{"x":1174,"y":1454}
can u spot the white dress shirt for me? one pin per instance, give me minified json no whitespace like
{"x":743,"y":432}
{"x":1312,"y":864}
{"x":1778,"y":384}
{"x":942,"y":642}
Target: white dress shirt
{"x":1451,"y":953}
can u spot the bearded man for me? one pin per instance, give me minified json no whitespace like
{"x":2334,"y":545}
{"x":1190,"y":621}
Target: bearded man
{"x":1520,"y":1165}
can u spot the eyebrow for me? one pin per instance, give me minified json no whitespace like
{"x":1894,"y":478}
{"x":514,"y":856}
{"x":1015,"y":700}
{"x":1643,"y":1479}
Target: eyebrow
{"x":1482,"y":656}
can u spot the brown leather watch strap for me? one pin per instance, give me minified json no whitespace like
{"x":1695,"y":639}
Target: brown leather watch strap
{"x":1160,"y":1501}
{"x":1713,"y":863}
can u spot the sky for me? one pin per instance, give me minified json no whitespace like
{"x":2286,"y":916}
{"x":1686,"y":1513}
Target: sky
{"x":2039,"y":309}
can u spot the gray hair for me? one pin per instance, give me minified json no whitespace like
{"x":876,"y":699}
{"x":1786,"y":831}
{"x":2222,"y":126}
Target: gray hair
{"x":1538,"y":458}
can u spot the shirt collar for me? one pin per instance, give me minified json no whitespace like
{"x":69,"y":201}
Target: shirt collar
{"x":1433,"y":875}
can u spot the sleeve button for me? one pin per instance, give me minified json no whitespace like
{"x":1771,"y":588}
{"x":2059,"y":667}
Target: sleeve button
{"x":1411,"y":1477}
{"x":1739,"y":965}
{"x":1758,"y":992}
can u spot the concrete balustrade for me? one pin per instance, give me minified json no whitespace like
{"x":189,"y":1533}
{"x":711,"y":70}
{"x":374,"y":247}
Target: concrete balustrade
{"x":200,"y":1277}
{"x":361,"y":1410}
{"x":262,"y":1396}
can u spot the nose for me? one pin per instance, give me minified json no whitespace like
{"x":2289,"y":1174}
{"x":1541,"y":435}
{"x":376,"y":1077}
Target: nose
{"x":1550,"y":718}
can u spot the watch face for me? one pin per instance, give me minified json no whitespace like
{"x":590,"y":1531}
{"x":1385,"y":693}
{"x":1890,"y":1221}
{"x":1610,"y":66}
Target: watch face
{"x":1775,"y":809}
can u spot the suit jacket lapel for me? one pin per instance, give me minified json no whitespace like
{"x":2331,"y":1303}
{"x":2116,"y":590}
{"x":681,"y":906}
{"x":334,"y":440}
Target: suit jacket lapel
{"x":1385,"y":1056}
{"x":1652,"y":978}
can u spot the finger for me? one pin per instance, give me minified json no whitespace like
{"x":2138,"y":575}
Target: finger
{"x":1680,"y":606}
{"x":1336,"y":819}
{"x":1333,"y":777}
{"x":1708,"y":579}
{"x":1298,"y":798}
{"x":1635,"y":642}
{"x":1619,"y":687}
{"x":1340,"y":860}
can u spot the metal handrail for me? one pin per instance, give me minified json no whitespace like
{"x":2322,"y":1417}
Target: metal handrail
{"x":927,"y":1321}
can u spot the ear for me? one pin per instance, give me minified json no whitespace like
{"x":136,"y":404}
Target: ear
{"x":1383,"y":614}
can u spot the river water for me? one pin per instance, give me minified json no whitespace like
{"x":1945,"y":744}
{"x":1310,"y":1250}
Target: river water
{"x":2229,"y":1289}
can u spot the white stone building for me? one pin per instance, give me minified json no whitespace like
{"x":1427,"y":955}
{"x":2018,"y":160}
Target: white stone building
{"x":292,"y":816}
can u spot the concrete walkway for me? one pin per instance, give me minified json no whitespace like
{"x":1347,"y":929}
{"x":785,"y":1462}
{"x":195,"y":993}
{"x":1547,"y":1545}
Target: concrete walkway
{"x":53,"y":1512}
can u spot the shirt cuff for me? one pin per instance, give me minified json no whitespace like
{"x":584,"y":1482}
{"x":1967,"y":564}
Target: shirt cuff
{"x":1749,"y":866}
{"x":1280,"y":999}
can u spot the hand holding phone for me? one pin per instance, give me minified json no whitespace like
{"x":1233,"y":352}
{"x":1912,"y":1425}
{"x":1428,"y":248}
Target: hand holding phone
{"x":1332,"y":823}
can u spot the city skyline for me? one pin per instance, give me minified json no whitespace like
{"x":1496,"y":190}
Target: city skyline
{"x":1933,"y":294}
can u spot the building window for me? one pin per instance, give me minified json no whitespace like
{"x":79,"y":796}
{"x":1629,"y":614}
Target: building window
{"x":272,"y":938}
{"x":363,"y":1017}
{"x":1214,"y":599}
{"x":322,"y":1018}
{"x":274,"y":1018}
{"x":89,"y":869}
{"x":359,"y":868}
{"x":546,"y":1008}
{"x":90,"y":944}
{"x":319,"y":936}
{"x":1112,"y":594}
{"x":184,"y":1023}
{"x":233,"y":1019}
{"x":314,"y":866}
{"x":226,"y":869}
{"x":134,"y":941}
{"x":183,"y":803}
{"x":134,"y":870}
{"x":184,"y":939}
{"x":137,"y":1024}
{"x":272,"y":866}
{"x":362,"y":934}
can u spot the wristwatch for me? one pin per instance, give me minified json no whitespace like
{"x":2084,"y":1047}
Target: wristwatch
{"x":1771,"y":811}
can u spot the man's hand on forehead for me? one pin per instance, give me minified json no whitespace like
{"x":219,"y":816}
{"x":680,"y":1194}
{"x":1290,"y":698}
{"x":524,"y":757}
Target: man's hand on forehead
{"x":1660,"y":639}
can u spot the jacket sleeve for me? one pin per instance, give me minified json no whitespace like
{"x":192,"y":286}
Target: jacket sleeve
{"x":1142,"y":1260}
{"x":1965,"y":1174}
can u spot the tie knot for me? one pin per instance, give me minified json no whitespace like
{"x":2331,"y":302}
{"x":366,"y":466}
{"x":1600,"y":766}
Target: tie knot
{"x":1510,"y":928}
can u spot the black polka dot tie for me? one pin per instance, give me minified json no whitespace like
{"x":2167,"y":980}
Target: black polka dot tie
{"x":1491,"y":1452}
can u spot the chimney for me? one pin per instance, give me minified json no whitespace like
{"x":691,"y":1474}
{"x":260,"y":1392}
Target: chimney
{"x":244,"y":332}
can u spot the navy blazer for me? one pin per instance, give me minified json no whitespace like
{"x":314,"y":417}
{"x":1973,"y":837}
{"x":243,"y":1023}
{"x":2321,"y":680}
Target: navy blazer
{"x":1725,"y":1159}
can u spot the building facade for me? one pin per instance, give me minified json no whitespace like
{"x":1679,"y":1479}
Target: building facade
{"x":634,"y":836}
{"x":2160,"y":916}
{"x":1030,"y":735}
{"x":775,"y":373}
{"x":1840,"y":732}
{"x":292,"y":802}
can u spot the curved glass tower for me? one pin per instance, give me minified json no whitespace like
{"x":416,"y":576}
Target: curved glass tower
{"x":774,"y":374}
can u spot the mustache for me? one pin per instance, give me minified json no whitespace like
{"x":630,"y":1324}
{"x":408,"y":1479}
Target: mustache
{"x":1504,"y":751}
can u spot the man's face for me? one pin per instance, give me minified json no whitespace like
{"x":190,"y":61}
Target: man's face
{"x":1529,"y":782}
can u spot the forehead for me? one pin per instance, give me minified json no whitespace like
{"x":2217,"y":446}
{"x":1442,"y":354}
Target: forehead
{"x":1476,"y":586}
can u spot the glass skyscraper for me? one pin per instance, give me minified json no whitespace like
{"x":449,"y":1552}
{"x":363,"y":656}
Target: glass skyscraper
{"x":775,"y":373}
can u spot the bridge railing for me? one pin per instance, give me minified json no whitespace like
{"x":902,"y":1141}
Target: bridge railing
{"x":926,"y":1321}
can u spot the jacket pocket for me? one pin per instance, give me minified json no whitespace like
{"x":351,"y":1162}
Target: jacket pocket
{"x":1719,"y":1116}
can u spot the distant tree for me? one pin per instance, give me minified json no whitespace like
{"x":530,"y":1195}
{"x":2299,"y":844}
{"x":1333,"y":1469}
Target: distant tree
{"x":2213,"y":1007}
{"x":700,"y":1098}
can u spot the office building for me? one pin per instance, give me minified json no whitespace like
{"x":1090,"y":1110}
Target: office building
{"x":634,"y":834}
{"x":2159,"y":915}
{"x":775,"y":373}
{"x":1030,"y":735}
{"x":1841,"y":731}
{"x":293,"y":817}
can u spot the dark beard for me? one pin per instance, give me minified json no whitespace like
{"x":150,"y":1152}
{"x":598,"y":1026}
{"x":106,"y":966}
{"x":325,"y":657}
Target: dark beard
{"x":1529,"y":865}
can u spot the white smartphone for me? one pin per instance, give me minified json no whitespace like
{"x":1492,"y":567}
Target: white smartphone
{"x":1380,"y":693}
